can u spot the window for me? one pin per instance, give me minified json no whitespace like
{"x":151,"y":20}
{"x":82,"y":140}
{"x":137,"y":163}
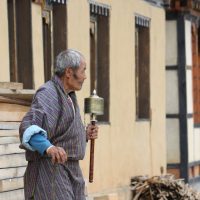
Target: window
{"x":54,"y":19}
{"x":99,"y":54}
{"x":54,"y":34}
{"x":20,"y":42}
{"x":142,"y":67}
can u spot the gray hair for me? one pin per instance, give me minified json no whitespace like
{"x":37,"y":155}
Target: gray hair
{"x":68,"y":58}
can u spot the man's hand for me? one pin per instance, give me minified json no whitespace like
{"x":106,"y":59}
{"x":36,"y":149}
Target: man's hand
{"x":92,"y":132}
{"x":58,"y":154}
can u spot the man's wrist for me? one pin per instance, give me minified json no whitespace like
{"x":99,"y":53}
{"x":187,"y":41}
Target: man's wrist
{"x":49,"y":148}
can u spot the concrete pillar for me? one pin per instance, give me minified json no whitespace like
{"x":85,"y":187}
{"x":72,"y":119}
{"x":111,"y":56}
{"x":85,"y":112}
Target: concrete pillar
{"x":4,"y":43}
{"x":38,"y":62}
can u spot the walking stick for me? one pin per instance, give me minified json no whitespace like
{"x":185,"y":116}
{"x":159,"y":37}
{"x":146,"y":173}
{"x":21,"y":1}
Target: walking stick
{"x":94,"y":105}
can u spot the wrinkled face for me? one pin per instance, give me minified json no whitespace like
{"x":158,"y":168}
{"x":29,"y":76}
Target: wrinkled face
{"x":76,"y":77}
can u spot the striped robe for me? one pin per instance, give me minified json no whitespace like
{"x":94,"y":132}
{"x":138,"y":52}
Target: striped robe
{"x":52,"y":111}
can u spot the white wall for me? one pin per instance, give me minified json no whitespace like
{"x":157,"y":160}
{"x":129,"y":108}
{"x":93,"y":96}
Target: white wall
{"x":172,"y":93}
{"x":171,"y":43}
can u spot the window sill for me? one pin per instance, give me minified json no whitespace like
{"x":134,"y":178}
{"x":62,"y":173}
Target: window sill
{"x":142,"y":120}
{"x":103,"y":123}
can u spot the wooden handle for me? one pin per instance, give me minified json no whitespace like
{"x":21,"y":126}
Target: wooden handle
{"x":91,"y":170}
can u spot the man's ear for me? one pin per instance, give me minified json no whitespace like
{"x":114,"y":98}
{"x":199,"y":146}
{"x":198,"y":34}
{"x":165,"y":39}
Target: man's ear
{"x":68,"y":72}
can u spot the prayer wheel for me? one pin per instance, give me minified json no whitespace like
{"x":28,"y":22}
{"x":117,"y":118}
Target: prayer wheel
{"x":94,"y":105}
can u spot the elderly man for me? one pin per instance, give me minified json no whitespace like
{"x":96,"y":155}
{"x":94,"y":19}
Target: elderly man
{"x":54,"y":136}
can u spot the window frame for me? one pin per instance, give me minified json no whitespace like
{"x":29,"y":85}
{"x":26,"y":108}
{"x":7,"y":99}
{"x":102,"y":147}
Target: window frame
{"x":100,"y":68}
{"x":142,"y":68}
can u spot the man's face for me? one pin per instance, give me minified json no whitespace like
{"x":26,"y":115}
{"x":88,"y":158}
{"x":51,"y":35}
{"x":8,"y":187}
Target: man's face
{"x":77,"y":77}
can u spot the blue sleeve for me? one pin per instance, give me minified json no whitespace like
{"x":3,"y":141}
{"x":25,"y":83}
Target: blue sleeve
{"x":39,"y":142}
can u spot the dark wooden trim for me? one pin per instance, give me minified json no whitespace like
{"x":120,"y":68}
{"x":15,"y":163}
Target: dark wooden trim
{"x":189,"y":14}
{"x":171,"y":67}
{"x":173,"y":166}
{"x":171,"y":15}
{"x":184,"y":3}
{"x":182,"y":97}
{"x":189,"y":115}
{"x":172,"y":116}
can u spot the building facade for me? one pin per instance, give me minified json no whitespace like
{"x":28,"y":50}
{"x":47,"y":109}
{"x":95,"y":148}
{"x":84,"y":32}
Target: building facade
{"x":182,"y":89}
{"x":124,"y":46}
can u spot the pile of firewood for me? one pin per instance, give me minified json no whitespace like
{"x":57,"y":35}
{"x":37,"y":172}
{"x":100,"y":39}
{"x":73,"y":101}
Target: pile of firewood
{"x":161,"y":188}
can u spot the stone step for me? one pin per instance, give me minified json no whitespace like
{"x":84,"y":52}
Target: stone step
{"x":10,"y":149}
{"x":9,"y":125}
{"x":8,"y":107}
{"x":12,"y":195}
{"x":12,"y":160}
{"x":11,"y":184}
{"x":9,"y":133}
{"x":11,"y":116}
{"x":9,"y":140}
{"x":13,"y":172}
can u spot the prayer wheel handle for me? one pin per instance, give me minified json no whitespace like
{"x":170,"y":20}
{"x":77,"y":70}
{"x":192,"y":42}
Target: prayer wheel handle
{"x":92,"y":144}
